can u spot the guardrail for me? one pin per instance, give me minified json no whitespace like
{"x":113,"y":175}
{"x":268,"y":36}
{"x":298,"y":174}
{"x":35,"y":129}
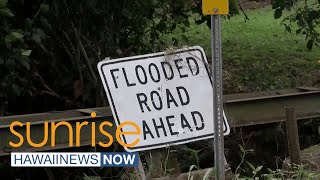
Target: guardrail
{"x":241,"y":110}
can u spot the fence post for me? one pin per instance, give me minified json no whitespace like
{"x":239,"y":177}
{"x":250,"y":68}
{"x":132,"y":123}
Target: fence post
{"x":292,"y":136}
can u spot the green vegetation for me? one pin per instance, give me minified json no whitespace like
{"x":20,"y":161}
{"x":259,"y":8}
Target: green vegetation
{"x":258,"y":53}
{"x":292,"y":171}
{"x":305,"y":15}
{"x":50,"y":49}
{"x":260,"y":37}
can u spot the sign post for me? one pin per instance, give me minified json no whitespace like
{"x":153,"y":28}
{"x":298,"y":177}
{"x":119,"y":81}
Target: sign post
{"x":216,"y":8}
{"x":217,"y":96}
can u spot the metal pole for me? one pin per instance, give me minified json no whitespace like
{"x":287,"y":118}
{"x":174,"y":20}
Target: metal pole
{"x":219,"y":160}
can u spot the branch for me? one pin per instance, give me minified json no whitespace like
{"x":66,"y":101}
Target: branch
{"x":93,"y":75}
{"x":244,"y":13}
{"x":48,"y":89}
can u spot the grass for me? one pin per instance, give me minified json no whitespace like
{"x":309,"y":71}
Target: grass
{"x":258,"y":37}
{"x":258,"y":54}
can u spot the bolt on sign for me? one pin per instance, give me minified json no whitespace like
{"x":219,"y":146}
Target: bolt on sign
{"x":167,"y":94}
{"x":215,"y":7}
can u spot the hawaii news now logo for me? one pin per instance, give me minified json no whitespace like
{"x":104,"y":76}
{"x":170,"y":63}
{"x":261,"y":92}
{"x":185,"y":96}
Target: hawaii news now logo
{"x":66,"y":159}
{"x":73,"y":159}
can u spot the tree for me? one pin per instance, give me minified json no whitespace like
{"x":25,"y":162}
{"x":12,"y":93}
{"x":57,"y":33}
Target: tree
{"x":305,"y":18}
{"x":50,"y":48}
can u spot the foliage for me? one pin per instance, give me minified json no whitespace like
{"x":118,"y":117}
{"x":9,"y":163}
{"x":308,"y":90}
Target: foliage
{"x":257,"y":54}
{"x":243,"y":153}
{"x":306,"y":16}
{"x":14,"y":59}
{"x":207,"y":175}
{"x":50,"y":48}
{"x":294,"y":172}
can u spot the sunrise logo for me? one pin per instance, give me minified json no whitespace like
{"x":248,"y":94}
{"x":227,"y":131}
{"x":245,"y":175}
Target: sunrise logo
{"x":53,"y":126}
{"x":72,"y":159}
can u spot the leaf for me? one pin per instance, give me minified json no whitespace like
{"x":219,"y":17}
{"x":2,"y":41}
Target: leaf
{"x":202,"y":20}
{"x":41,"y":33}
{"x":254,"y":172}
{"x":16,"y":35}
{"x":173,"y":26}
{"x":186,"y":22}
{"x":28,"y":23}
{"x":241,"y":148}
{"x":310,"y":44}
{"x":44,"y":8}
{"x":179,"y":19}
{"x":258,"y":169}
{"x":183,"y":29}
{"x":25,"y":52}
{"x":36,"y":38}
{"x":236,"y":176}
{"x":13,"y":36}
{"x":270,"y":171}
{"x":288,"y":28}
{"x":3,"y":3}
{"x":25,"y":64}
{"x":161,"y":26}
{"x":313,"y":14}
{"x":298,"y":31}
{"x":251,"y":166}
{"x":175,"y":41}
{"x":6,"y":12}
{"x":190,"y":169}
{"x":185,"y":38}
{"x":171,"y":169}
{"x":277,"y":13}
{"x":206,"y":175}
{"x":24,"y":61}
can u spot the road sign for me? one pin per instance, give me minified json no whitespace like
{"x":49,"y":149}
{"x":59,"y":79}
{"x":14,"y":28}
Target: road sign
{"x":215,"y":7}
{"x":167,"y":94}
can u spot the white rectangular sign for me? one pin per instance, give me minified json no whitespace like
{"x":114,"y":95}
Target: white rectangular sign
{"x":167,"y":94}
